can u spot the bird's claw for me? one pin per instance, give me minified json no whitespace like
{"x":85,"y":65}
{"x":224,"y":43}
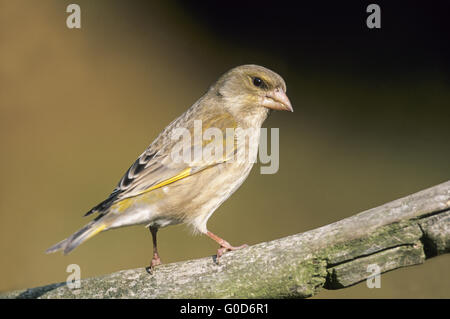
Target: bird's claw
{"x":227,"y":247}
{"x":156,"y":261}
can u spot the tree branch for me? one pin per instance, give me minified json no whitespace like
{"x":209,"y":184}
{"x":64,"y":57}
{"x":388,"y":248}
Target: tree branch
{"x":401,"y":233}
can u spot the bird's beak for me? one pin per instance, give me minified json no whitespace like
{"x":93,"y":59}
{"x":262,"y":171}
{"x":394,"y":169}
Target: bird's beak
{"x":277,"y":100}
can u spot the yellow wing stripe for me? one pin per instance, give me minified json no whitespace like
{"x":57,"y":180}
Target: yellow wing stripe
{"x":125,"y":203}
{"x":185,"y":173}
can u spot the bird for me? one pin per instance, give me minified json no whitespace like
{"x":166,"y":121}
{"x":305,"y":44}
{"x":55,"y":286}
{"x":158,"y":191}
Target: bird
{"x":159,"y":189}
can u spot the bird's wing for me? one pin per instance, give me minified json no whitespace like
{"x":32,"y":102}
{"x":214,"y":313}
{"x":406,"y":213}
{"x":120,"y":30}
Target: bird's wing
{"x":156,"y":166}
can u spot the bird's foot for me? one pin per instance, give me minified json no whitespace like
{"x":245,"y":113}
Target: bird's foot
{"x":156,"y":261}
{"x":224,"y":247}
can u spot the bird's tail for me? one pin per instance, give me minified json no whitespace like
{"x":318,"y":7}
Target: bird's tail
{"x":72,"y":242}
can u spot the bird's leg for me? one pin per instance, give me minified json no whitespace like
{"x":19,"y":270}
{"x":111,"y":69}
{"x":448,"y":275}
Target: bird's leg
{"x":155,"y":260}
{"x":224,"y":245}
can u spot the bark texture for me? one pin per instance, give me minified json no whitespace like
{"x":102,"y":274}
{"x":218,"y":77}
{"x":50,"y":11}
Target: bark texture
{"x":401,"y":233}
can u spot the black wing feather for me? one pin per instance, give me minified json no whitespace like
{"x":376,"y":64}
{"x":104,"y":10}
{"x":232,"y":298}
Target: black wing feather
{"x":138,"y":166}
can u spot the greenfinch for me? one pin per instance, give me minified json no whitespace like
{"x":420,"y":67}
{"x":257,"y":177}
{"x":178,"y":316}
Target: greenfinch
{"x":163,"y":188}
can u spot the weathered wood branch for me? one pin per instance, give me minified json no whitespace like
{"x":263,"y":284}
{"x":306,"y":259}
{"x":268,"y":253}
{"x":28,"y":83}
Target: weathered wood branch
{"x":400,"y":233}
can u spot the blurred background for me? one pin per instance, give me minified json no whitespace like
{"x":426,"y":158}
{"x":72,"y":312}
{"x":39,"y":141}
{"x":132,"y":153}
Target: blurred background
{"x":77,"y":107}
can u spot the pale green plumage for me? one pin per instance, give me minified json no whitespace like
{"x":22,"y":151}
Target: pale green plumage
{"x":157,"y":191}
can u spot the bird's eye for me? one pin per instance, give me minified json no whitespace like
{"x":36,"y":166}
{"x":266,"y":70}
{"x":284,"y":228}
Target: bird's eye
{"x":258,"y":82}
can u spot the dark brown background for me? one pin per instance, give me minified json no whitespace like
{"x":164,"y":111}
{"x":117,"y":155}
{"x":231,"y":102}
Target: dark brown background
{"x":78,"y":106}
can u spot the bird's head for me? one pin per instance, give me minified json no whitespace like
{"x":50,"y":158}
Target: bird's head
{"x":249,"y":89}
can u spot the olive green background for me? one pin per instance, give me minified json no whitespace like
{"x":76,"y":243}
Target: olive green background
{"x":78,"y":106}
